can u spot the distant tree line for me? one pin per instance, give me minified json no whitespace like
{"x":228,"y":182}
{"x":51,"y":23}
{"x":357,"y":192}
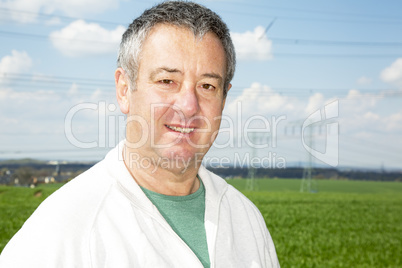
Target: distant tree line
{"x":27,"y":171}
{"x":317,"y":173}
{"x":26,"y":174}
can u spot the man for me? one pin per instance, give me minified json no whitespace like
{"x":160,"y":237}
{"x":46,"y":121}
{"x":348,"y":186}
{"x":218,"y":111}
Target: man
{"x":158,"y":207}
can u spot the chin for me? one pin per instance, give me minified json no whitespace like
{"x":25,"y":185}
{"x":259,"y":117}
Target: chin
{"x":180,"y":158}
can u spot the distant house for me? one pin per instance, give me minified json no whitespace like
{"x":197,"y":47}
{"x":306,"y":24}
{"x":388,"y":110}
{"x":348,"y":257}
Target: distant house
{"x":5,"y":176}
{"x":62,"y":178}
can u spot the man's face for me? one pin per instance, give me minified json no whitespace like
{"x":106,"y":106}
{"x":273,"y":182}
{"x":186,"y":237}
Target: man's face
{"x":179,"y":94}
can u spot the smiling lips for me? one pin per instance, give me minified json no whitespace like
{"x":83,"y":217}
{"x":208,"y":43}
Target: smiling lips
{"x":185,"y":130}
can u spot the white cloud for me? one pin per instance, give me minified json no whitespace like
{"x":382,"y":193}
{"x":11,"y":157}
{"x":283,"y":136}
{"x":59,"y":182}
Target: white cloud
{"x":96,"y":95}
{"x":252,"y":45}
{"x":263,"y":100}
{"x":17,"y":62}
{"x":364,"y":80}
{"x":73,"y":90}
{"x":71,"y":7}
{"x":44,"y":111}
{"x":23,"y":17}
{"x":393,"y":73}
{"x":81,"y":38}
{"x":362,"y":101}
{"x":80,"y":7}
{"x":371,"y":116}
{"x":260,"y":99}
{"x":26,"y":97}
{"x":53,"y":21}
{"x":394,"y":122}
{"x":357,"y":111}
{"x":367,"y":123}
{"x":315,"y":102}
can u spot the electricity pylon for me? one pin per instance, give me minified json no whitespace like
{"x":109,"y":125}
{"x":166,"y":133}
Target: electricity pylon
{"x":308,"y":184}
{"x":252,"y":183}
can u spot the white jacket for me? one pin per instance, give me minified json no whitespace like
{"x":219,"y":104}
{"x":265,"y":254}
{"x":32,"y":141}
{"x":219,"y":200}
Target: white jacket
{"x":102,"y":218}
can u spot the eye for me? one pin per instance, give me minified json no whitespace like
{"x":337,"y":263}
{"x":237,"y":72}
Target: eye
{"x":208,"y":87}
{"x":166,"y":81}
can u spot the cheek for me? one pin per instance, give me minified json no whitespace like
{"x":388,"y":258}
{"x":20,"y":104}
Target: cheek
{"x":214,"y":119}
{"x":161,"y":112}
{"x":214,"y":111}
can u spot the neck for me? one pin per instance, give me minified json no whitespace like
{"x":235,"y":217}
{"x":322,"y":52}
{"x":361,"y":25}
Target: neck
{"x":157,"y":178}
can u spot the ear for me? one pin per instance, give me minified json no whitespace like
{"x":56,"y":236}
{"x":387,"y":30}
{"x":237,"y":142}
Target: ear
{"x":122,"y":90}
{"x":224,"y":99}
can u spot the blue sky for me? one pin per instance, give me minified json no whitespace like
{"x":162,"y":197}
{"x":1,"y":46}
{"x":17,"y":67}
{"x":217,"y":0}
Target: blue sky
{"x":57,"y":57}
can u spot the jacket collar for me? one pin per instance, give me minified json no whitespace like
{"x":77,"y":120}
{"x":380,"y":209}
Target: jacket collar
{"x":215,"y":186}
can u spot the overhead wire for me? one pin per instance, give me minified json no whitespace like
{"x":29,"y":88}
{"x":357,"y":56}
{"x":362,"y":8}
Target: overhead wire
{"x":88,"y":85}
{"x":290,"y":41}
{"x":54,"y":79}
{"x":91,"y":82}
{"x":364,"y":18}
{"x":372,"y":142}
{"x":63,"y":17}
{"x":40,"y":36}
{"x":317,"y":11}
{"x":280,"y":151}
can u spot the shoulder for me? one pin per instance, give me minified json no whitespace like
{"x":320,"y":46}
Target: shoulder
{"x":243,"y":204}
{"x":62,"y":223}
{"x":227,"y":192}
{"x":80,"y":195}
{"x":241,"y":225}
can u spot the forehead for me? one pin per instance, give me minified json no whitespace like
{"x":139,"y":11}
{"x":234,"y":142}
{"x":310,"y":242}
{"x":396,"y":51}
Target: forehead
{"x":178,"y":46}
{"x":171,"y":32}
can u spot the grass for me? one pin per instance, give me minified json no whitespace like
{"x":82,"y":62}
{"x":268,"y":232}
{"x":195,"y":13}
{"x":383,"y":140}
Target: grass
{"x":344,"y":224}
{"x":323,"y":186}
{"x":16,"y":205}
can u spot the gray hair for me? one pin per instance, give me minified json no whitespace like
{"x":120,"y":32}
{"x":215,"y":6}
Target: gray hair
{"x":197,"y":18}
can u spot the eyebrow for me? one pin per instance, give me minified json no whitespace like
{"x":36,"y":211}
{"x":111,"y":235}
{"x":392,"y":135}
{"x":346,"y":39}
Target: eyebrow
{"x":174,"y":70}
{"x":214,"y":76}
{"x":163,"y":69}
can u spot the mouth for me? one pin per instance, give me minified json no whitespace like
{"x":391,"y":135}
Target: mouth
{"x":184,"y":130}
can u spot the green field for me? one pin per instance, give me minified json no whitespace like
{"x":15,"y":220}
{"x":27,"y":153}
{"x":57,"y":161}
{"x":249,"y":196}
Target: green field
{"x":16,"y":205}
{"x":344,"y":224}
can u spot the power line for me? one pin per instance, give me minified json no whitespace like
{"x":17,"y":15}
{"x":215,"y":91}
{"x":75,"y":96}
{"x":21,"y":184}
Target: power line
{"x":333,"y":42}
{"x":320,"y":12}
{"x":49,"y":77}
{"x":288,"y":55}
{"x":367,"y":18}
{"x":62,"y":83}
{"x":365,"y":21}
{"x":51,"y":16}
{"x":39,"y":36}
{"x":108,"y":82}
{"x":52,"y":79}
{"x":336,"y":56}
{"x":54,"y":151}
{"x":290,"y":41}
{"x":373,"y":145}
{"x":278,"y":89}
{"x":88,"y":89}
{"x":54,"y":83}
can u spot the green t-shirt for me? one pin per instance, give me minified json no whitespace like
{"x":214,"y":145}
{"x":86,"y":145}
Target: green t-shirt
{"x":185,"y":214}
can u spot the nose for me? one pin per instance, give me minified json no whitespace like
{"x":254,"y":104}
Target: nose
{"x":187,"y":101}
